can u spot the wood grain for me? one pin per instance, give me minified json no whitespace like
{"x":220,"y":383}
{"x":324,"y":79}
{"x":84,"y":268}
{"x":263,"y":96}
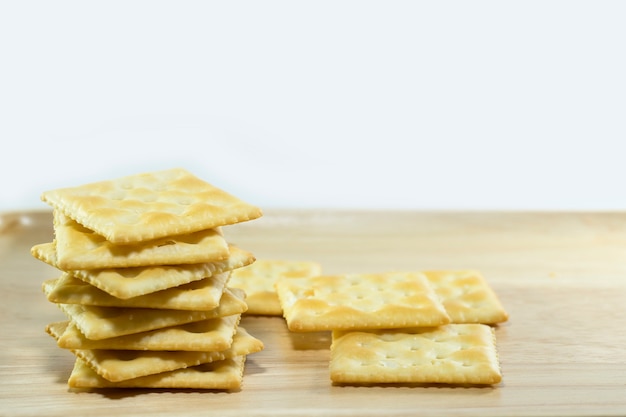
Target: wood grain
{"x":561,"y":276}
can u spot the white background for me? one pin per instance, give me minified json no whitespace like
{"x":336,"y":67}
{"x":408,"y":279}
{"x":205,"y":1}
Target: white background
{"x":389,"y":104}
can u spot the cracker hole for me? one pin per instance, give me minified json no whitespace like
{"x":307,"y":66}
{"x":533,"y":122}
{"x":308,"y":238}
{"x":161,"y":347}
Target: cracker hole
{"x":388,"y":364}
{"x":387,"y":338}
{"x":168,"y":243}
{"x":194,"y":330}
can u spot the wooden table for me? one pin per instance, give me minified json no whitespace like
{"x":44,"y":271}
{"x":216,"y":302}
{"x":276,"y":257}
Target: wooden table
{"x":561,"y":276}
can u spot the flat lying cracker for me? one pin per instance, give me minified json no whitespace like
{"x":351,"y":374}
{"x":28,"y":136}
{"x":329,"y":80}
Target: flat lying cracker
{"x":119,"y":365}
{"x":204,"y":294}
{"x":127,"y":283}
{"x":103,"y":322}
{"x":149,"y":206}
{"x":259,"y":278}
{"x":467,"y":297}
{"x":220,"y":375}
{"x":451,"y":354}
{"x":206,"y":335}
{"x":360,"y":301}
{"x":79,"y":248}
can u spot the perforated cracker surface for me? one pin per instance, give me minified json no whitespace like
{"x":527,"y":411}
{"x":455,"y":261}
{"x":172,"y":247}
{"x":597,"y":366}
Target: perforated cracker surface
{"x":149,"y":206}
{"x":360,"y":301}
{"x":467,"y":297}
{"x":259,"y":278}
{"x":213,"y":334}
{"x":119,"y":365}
{"x":203,"y":294}
{"x":127,"y":283}
{"x":220,"y":375}
{"x":79,"y":248}
{"x":104,"y":322}
{"x":451,"y":354}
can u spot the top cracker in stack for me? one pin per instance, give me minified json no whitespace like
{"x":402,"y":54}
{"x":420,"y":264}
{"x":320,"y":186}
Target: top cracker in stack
{"x":149,"y":206}
{"x":166,"y":217}
{"x":147,"y":246}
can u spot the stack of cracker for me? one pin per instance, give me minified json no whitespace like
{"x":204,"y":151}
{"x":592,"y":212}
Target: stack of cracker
{"x":400,"y":327}
{"x":144,"y":282}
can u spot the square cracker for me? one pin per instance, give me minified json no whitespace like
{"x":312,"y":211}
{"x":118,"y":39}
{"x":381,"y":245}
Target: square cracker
{"x":259,"y":278}
{"x":450,"y":354}
{"x":467,"y":297}
{"x":205,"y":335}
{"x":133,"y":282}
{"x":149,"y":206}
{"x":204,"y":294}
{"x":79,"y":248}
{"x":119,"y":365}
{"x":226,"y":374}
{"x":360,"y":301}
{"x":103,"y":322}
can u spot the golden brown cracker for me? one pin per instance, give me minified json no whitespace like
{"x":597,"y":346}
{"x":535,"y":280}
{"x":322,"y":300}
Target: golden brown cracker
{"x":148,"y":206}
{"x":79,"y":248}
{"x":467,"y":297}
{"x":205,"y":335}
{"x":226,"y":374}
{"x":258,"y":280}
{"x":204,"y":294}
{"x":360,"y":301}
{"x":450,"y":354}
{"x":127,"y":283}
{"x":119,"y":365}
{"x":103,"y":322}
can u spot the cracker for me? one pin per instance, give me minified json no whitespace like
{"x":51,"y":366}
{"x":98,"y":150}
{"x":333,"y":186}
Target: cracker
{"x":204,"y":294}
{"x":79,"y":248}
{"x":360,"y":301}
{"x":467,"y":297}
{"x":213,"y":334}
{"x":220,"y":375}
{"x":119,"y":365}
{"x":149,"y":206}
{"x":103,"y":322}
{"x":133,"y":282}
{"x":451,"y":354}
{"x":259,"y":278}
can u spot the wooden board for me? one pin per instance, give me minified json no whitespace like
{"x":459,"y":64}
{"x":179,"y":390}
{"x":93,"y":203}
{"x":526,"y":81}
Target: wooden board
{"x":561,"y":276}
